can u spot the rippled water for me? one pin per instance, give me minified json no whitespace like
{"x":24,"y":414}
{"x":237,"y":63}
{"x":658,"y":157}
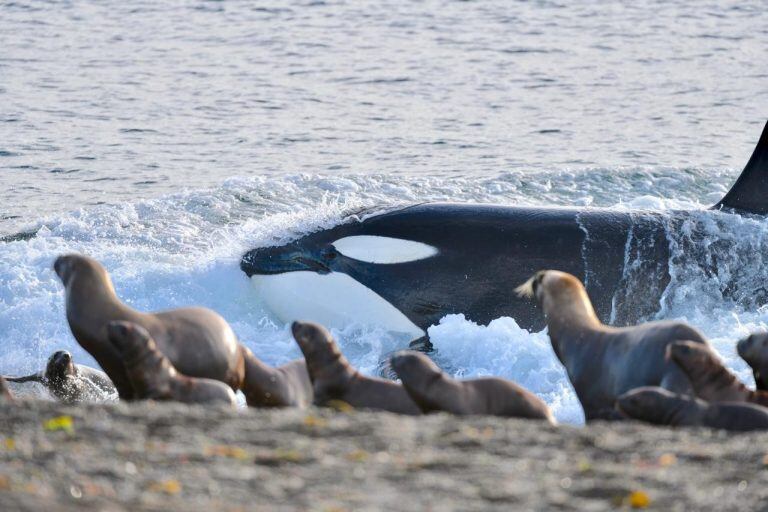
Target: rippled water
{"x":106,"y":102}
{"x":166,"y":140}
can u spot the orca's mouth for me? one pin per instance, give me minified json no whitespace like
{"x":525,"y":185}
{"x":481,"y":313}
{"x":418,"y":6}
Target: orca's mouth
{"x":278,"y":260}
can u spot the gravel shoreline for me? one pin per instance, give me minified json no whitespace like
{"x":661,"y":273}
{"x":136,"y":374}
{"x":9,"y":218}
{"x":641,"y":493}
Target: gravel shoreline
{"x":157,"y":457}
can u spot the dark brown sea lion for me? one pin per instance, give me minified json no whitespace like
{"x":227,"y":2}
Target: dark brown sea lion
{"x":334,"y":379}
{"x":152,"y":375}
{"x":754,"y":350}
{"x":70,"y":382}
{"x":433,"y":390}
{"x":197,"y":341}
{"x":712,"y":381}
{"x":5,"y":393}
{"x":604,"y":362}
{"x":661,"y":407}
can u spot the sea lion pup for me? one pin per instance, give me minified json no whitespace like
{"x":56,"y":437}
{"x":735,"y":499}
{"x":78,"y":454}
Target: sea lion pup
{"x":5,"y":392}
{"x":197,"y":341}
{"x":282,"y":386}
{"x":604,"y":362}
{"x":70,"y":382}
{"x":334,"y":379}
{"x":712,"y":381}
{"x":754,"y":350}
{"x":661,"y":407}
{"x":153,"y":376}
{"x":433,"y":390}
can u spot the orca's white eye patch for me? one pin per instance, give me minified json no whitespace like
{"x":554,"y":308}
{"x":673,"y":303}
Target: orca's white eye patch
{"x":383,"y":249}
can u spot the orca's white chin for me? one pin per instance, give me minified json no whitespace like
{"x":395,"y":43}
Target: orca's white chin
{"x":334,"y":300}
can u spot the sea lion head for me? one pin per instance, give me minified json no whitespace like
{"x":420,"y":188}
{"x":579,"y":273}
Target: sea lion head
{"x":130,"y":339}
{"x":314,"y":340}
{"x":328,"y":368}
{"x":71,"y":266}
{"x":414,"y":368}
{"x":690,"y":354}
{"x":657,"y":405}
{"x":60,"y":366}
{"x":754,"y":348}
{"x":558,"y":292}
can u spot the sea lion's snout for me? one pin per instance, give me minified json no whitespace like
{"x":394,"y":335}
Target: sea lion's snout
{"x":62,"y":356}
{"x":406,"y":362}
{"x":630,"y":402}
{"x":300,"y":331}
{"x":400,"y":361}
{"x":749,"y":345}
{"x":61,"y":267}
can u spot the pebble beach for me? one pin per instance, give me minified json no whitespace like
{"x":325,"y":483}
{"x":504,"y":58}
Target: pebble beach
{"x":161,"y":457}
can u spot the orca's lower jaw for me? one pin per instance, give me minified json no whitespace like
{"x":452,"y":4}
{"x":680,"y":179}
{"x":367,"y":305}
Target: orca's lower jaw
{"x":278,"y":260}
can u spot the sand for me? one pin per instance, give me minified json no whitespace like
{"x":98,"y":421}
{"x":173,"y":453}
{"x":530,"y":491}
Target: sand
{"x":162,"y":457}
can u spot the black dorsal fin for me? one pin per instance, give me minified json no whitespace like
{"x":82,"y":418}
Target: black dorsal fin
{"x":750,"y":192}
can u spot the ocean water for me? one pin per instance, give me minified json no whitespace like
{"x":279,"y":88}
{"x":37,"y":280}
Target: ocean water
{"x":168,"y":140}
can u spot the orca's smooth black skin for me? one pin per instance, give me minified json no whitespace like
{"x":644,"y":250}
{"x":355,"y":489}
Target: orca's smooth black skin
{"x":485,"y":251}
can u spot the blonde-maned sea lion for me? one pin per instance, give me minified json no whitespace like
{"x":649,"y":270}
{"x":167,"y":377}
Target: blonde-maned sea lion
{"x":754,"y":350}
{"x":433,"y":390}
{"x":712,"y":381}
{"x":70,"y":382}
{"x":604,"y":362}
{"x":197,"y":341}
{"x":662,"y":407}
{"x":152,"y":375}
{"x":334,"y":379}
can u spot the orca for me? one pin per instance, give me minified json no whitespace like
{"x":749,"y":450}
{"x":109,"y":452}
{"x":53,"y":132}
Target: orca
{"x":406,"y":268}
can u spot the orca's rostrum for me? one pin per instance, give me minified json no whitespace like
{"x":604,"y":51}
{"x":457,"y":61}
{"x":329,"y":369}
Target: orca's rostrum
{"x":407,"y":268}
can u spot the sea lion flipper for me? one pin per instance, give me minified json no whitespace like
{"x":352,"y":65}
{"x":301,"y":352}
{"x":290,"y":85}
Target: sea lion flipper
{"x":35,"y":377}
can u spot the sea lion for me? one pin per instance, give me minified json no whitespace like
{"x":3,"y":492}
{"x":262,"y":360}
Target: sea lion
{"x":197,"y":341}
{"x":604,"y":362}
{"x":712,"y":381}
{"x":5,"y":392}
{"x":754,"y":350}
{"x":661,"y":407}
{"x":334,"y":379}
{"x":433,"y":390}
{"x":282,"y":386}
{"x":70,"y":382}
{"x":153,"y":376}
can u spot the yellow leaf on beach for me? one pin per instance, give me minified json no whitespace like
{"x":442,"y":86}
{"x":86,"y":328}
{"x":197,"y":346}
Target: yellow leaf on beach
{"x":225,"y":450}
{"x":358,"y":456}
{"x":315,"y":421}
{"x":341,"y":406}
{"x":668,"y":459}
{"x":64,"y":423}
{"x":638,"y":499}
{"x":9,"y":444}
{"x":166,"y":486}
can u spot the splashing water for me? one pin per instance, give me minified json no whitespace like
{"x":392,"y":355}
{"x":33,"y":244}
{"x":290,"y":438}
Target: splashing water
{"x":184,"y":249}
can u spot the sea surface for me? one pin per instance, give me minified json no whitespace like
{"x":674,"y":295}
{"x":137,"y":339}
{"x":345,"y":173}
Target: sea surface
{"x":166,"y":139}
